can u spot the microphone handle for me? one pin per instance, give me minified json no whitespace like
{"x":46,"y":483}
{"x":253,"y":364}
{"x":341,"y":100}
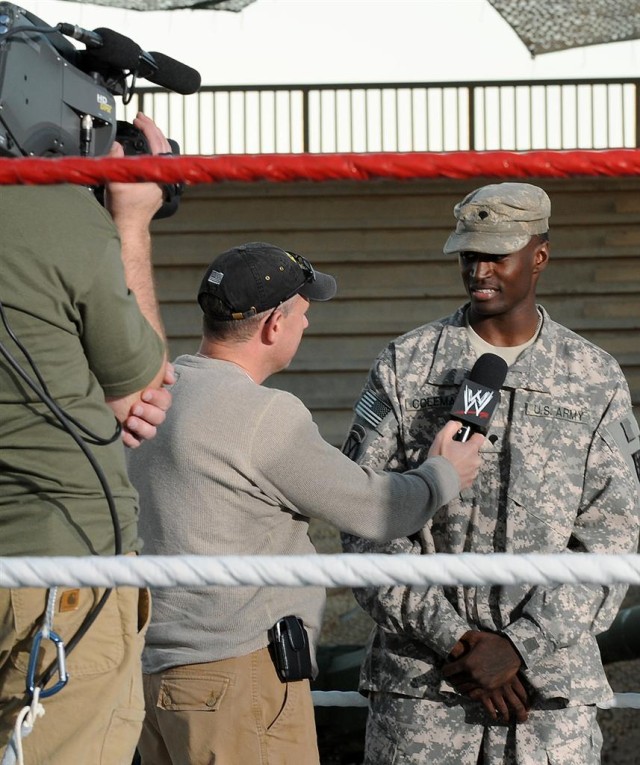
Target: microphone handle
{"x":86,"y":36}
{"x":464,"y":434}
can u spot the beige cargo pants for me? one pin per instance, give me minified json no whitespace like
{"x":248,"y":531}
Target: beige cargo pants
{"x":96,"y":718}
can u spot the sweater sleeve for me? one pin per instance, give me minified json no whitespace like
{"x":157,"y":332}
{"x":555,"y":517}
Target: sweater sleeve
{"x":314,"y":479}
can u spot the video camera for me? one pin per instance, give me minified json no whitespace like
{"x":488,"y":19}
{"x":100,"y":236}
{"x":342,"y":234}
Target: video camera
{"x":57,"y":100}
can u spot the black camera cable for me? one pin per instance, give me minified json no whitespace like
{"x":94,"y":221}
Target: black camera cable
{"x":90,"y":438}
{"x":28,"y":31}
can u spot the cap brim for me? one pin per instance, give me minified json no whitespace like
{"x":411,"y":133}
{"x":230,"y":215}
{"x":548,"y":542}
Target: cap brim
{"x":323,"y":287}
{"x":489,"y":244}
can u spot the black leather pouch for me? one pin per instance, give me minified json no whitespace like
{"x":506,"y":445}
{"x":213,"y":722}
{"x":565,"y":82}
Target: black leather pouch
{"x":290,"y":649}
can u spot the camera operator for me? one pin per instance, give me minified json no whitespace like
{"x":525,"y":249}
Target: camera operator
{"x":80,"y":318}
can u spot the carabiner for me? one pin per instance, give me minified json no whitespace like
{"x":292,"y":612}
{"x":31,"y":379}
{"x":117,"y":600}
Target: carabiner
{"x":33,"y":659}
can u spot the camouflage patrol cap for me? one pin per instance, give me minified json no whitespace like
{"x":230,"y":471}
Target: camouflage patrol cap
{"x":499,"y":219}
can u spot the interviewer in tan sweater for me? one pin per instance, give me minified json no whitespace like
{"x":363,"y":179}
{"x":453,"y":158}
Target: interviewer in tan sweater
{"x":239,"y":468}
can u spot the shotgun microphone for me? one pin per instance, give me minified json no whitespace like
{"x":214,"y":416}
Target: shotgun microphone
{"x":479,"y":396}
{"x":107,"y":48}
{"x":173,"y":74}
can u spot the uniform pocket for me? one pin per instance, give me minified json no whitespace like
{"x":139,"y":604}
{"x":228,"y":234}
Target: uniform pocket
{"x":569,"y":736}
{"x":577,"y":751}
{"x":380,"y":742}
{"x":547,"y":464}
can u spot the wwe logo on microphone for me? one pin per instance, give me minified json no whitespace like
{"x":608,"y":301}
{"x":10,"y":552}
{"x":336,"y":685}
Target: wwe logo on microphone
{"x":479,"y":395}
{"x":475,"y":401}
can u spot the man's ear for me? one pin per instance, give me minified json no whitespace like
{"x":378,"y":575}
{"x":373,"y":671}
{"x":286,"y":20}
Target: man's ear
{"x":271,"y":327}
{"x":541,"y":257}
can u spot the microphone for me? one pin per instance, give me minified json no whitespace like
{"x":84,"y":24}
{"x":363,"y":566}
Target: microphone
{"x":479,"y":396}
{"x":113,"y":49}
{"x":173,"y":75}
{"x":106,"y":47}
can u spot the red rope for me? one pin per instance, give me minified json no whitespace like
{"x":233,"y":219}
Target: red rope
{"x":321,"y":167}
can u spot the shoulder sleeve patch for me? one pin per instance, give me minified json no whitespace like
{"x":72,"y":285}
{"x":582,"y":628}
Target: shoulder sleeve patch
{"x":373,"y":417}
{"x":626,"y":434}
{"x":353,"y":444}
{"x":371,"y":408}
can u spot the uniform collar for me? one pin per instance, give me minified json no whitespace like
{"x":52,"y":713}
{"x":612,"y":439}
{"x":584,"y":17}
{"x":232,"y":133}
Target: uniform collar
{"x":534,"y":370}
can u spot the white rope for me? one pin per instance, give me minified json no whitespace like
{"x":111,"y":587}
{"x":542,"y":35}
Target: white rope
{"x":339,"y":699}
{"x":324,"y":571}
{"x":48,"y":615}
{"x":320,"y":570}
{"x":13,"y":754}
{"x":622,"y":701}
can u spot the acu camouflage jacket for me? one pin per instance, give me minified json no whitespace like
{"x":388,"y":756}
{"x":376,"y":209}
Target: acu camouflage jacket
{"x":559,"y":474}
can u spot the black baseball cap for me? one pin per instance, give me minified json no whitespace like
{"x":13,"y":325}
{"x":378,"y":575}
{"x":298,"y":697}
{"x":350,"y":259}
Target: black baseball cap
{"x":257,"y":276}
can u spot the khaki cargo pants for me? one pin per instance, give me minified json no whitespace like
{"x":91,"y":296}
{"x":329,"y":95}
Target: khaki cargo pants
{"x":229,"y":712}
{"x":96,"y":718}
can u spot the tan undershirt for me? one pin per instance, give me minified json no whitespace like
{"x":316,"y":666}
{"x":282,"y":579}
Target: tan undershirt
{"x":508,"y":353}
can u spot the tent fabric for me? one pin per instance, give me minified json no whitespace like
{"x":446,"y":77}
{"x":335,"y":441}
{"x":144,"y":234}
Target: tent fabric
{"x":545,"y":26}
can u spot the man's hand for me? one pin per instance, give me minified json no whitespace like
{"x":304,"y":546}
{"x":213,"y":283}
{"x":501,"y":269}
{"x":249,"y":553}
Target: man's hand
{"x":509,"y":699}
{"x":484,"y":667}
{"x":148,"y":413}
{"x":463,"y":456}
{"x":135,"y":204}
{"x":490,"y":661}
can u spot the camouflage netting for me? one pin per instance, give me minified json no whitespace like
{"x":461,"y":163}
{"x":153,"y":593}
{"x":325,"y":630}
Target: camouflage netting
{"x":174,"y":5}
{"x":545,"y":26}
{"x":542,"y":25}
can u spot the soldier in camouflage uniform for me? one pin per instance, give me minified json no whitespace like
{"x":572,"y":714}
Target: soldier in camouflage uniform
{"x":468,"y":675}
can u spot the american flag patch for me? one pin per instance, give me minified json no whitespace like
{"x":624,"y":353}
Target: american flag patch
{"x":215,"y":277}
{"x":372,"y":409}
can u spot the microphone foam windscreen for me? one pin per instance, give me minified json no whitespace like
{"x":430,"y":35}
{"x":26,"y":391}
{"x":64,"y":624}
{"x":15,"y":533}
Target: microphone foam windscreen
{"x":173,"y":75}
{"x":117,"y":50}
{"x":490,"y":371}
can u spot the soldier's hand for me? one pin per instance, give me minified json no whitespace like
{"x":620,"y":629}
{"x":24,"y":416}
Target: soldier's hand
{"x":463,"y":456}
{"x":458,"y":650}
{"x":510,"y":699}
{"x":490,"y":662}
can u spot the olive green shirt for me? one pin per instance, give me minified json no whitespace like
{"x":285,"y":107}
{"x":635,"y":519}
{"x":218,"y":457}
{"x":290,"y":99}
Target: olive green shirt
{"x":65,"y":299}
